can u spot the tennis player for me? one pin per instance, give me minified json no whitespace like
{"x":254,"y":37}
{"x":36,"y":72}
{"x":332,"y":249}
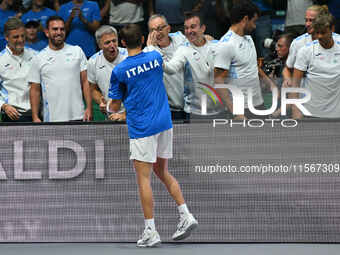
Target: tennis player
{"x":138,"y":82}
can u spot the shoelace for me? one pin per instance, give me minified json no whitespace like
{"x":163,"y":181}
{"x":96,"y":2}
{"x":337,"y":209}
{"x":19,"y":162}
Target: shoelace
{"x":145,"y":236}
{"x":181,"y":223}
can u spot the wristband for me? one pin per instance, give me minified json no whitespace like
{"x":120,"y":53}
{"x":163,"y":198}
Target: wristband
{"x":108,"y":110}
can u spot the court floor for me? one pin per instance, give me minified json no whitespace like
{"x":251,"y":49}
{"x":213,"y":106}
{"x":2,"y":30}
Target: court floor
{"x":167,"y":248}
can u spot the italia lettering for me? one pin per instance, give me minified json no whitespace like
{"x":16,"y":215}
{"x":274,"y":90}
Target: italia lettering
{"x":142,"y":68}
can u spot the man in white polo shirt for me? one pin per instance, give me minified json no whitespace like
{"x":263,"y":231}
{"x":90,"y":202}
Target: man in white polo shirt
{"x":15,"y":63}
{"x":101,"y":64}
{"x":194,"y":59}
{"x":320,"y":60}
{"x":167,"y":43}
{"x":311,"y":13}
{"x":59,"y":71}
{"x":236,"y":60}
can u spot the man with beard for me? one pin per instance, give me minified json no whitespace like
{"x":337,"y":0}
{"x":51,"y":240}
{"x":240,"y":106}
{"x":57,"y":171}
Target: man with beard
{"x":60,"y":72}
{"x":194,"y":60}
{"x":320,"y":61}
{"x":38,"y":13}
{"x":101,"y":64}
{"x":236,"y":61}
{"x":15,"y":63}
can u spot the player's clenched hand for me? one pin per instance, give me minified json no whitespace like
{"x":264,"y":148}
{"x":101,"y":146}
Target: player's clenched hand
{"x":118,"y":116}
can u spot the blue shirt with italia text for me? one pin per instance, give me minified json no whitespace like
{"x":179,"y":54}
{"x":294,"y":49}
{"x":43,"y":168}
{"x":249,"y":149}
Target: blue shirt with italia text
{"x":138,"y":82}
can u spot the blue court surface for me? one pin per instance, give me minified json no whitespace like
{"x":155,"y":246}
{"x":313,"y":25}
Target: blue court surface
{"x":168,"y":248}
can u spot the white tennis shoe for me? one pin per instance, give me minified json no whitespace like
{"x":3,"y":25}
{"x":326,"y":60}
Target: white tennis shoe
{"x":185,"y":226}
{"x":149,"y":238}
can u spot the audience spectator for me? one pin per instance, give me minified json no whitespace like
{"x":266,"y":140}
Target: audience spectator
{"x":82,"y":19}
{"x":124,"y":12}
{"x":215,"y":14}
{"x":15,"y":63}
{"x":334,"y":8}
{"x":263,"y":27}
{"x":295,"y":23}
{"x":38,"y":13}
{"x":32,"y":39}
{"x":104,"y":6}
{"x":6,"y":12}
{"x":60,"y":72}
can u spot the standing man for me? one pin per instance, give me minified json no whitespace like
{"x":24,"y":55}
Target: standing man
{"x":194,"y":60}
{"x":138,"y":81}
{"x":320,"y":60}
{"x":101,"y":64}
{"x":60,"y":72}
{"x":236,"y":61}
{"x":167,"y":43}
{"x":311,"y":13}
{"x":15,"y":63}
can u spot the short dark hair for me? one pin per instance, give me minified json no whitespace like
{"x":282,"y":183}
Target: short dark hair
{"x":241,"y":9}
{"x":53,"y":18}
{"x":190,"y":15}
{"x":12,"y":24}
{"x":132,"y":36}
{"x":288,"y":38}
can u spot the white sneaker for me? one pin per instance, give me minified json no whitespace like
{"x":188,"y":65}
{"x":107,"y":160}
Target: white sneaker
{"x":186,"y":224}
{"x":149,"y":238}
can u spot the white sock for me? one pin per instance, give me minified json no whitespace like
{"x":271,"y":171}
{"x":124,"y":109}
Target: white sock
{"x":150,"y":223}
{"x":183,"y":209}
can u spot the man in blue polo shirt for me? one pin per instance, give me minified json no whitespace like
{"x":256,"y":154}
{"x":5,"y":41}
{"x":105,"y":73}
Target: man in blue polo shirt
{"x":6,"y":12}
{"x":138,"y":82}
{"x":82,"y":19}
{"x":38,"y":13}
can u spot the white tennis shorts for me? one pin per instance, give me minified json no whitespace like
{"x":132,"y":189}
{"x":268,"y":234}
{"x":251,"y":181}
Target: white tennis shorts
{"x":147,"y":149}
